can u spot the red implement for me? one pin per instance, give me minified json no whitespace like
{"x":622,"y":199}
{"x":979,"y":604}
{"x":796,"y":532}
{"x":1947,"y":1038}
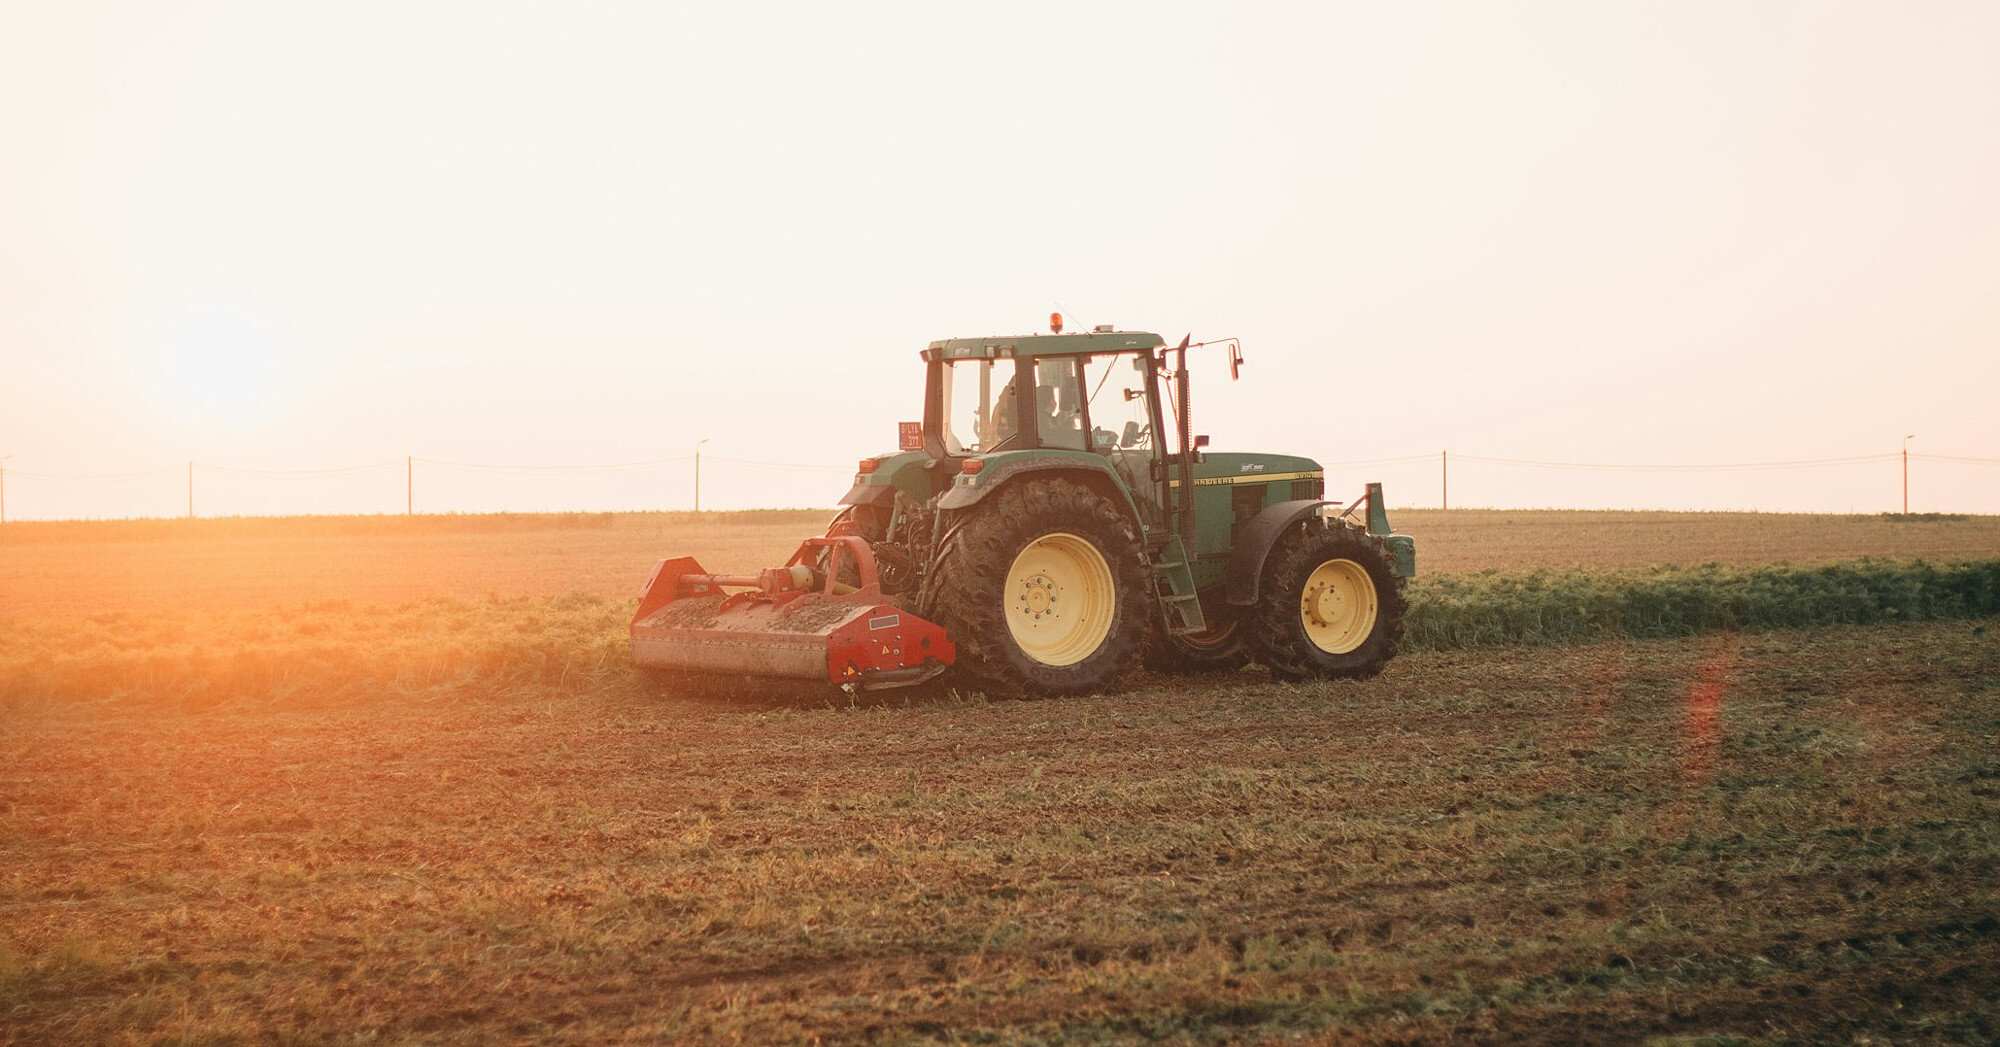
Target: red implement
{"x":792,"y":621}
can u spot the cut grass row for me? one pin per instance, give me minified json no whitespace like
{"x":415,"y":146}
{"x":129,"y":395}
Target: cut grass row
{"x":1455,"y":611}
{"x":332,"y":653}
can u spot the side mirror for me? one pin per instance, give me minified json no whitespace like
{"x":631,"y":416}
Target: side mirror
{"x":1235,"y":361}
{"x":1130,"y":437}
{"x":1200,"y":442}
{"x":1132,"y":394}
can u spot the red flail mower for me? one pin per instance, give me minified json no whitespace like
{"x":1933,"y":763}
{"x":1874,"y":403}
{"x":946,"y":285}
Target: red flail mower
{"x":798,"y":621}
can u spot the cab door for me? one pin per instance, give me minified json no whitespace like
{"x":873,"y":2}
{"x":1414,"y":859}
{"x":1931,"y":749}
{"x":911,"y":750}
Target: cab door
{"x":1120,"y":417}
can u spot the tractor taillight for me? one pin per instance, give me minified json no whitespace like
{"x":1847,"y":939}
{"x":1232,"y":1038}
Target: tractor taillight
{"x":1055,"y":323}
{"x":867,"y":466}
{"x":972,"y":465}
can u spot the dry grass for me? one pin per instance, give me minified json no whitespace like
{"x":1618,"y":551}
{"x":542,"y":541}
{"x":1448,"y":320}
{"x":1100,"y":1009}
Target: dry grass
{"x":1788,"y":835}
{"x":1509,"y":540}
{"x":75,"y":568}
{"x":221,"y":565}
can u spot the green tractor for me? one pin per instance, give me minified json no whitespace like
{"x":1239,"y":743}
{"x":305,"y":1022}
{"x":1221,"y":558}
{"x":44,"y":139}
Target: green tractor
{"x":1050,"y":524}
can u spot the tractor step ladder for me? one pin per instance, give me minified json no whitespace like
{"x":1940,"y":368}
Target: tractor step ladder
{"x":1174,"y":578}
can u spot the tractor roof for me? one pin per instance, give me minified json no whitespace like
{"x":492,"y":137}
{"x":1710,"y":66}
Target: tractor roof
{"x":1008,"y":346}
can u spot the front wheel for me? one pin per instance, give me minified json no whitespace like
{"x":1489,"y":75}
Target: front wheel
{"x":1329,"y":607}
{"x":1042,"y":590}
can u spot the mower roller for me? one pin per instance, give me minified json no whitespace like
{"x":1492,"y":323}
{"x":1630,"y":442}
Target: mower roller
{"x":796,"y":621}
{"x":1052,"y":522}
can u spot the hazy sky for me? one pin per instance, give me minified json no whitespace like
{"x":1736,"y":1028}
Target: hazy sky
{"x":289,"y":236}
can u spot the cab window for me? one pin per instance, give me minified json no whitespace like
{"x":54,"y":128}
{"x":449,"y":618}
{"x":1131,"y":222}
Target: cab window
{"x":1059,"y":404}
{"x":978,"y":401}
{"x":1116,"y":389}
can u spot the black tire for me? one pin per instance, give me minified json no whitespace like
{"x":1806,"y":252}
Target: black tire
{"x":966,"y":589}
{"x":1221,"y":649}
{"x":1278,"y":634}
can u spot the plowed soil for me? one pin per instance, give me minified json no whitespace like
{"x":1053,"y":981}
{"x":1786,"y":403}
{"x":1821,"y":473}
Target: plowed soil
{"x":1787,"y":835}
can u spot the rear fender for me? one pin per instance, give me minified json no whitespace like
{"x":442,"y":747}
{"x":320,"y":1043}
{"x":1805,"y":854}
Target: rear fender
{"x":1255,"y":540}
{"x":902,"y":471}
{"x":970,"y":489}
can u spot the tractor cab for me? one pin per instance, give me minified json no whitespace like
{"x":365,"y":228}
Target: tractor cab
{"x":1047,"y":396}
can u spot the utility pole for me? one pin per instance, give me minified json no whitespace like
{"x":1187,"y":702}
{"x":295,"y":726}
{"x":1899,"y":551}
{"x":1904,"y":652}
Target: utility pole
{"x":1906,"y":472}
{"x":409,"y":485}
{"x":190,"y":490}
{"x":1444,"y":468}
{"x":697,"y":474}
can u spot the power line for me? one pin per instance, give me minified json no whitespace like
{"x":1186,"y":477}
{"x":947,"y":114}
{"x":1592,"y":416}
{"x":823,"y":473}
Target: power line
{"x":374,"y":466}
{"x":534,"y":468}
{"x":1799,"y":463}
{"x":782,"y":465}
{"x":161,"y":471}
{"x":529,"y":468}
{"x":328,"y":471}
{"x":1958,"y":458}
{"x":1431,"y":457}
{"x":1803,"y":463}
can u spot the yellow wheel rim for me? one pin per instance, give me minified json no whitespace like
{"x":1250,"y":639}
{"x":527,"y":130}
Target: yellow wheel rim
{"x":1060,"y":599}
{"x":1338,"y":606}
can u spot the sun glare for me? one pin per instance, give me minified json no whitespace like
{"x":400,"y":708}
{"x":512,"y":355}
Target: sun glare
{"x":221,"y":363}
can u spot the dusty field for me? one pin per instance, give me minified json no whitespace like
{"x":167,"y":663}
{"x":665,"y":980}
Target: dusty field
{"x":260,"y":781}
{"x":220,"y":565}
{"x":1784,"y":835}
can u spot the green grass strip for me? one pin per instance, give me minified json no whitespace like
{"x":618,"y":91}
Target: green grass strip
{"x":1469,"y":610}
{"x":324,"y":654}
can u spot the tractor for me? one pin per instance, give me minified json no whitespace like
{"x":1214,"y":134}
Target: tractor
{"x":1052,"y":523}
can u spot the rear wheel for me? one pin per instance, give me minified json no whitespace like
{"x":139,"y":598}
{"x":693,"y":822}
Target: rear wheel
{"x":1329,"y":606}
{"x":1042,"y":590}
{"x":1218,"y":649}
